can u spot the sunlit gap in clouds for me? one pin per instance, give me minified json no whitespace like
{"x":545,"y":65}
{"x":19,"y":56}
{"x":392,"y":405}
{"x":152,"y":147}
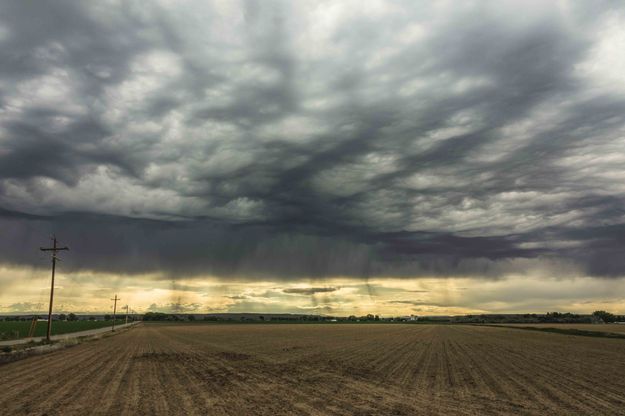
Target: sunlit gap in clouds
{"x":386,"y":296}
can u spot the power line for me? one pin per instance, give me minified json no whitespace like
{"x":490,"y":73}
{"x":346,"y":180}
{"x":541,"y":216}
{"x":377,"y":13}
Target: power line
{"x":54,"y":249}
{"x":115,"y":309}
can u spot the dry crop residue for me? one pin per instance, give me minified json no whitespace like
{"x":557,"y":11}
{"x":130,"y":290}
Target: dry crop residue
{"x":321,"y":369}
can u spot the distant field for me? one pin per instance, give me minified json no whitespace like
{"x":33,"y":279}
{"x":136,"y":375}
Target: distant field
{"x":615,"y":328}
{"x":182,"y":369}
{"x":19,"y":329}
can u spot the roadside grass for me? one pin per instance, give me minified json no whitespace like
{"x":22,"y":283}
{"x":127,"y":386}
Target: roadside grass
{"x":19,"y":329}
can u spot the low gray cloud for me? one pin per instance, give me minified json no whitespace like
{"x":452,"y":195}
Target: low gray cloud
{"x":175,"y":307}
{"x":310,"y":290}
{"x":237,"y":297}
{"x":25,"y":307}
{"x":422,"y":303}
{"x":307,"y":139}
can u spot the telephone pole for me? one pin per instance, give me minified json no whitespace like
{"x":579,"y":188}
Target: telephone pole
{"x":114,"y":310}
{"x":54,"y":249}
{"x":126,"y":314}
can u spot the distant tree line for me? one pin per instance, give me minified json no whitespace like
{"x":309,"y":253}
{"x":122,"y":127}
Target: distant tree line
{"x":365,"y":318}
{"x":607,"y":317}
{"x":70,"y":317}
{"x":173,"y":317}
{"x":159,"y":316}
{"x":549,"y":317}
{"x":595,"y":317}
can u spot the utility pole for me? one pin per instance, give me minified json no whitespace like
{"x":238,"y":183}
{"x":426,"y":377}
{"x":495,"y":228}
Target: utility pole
{"x":126,"y":314}
{"x":114,"y":310}
{"x":54,"y":250}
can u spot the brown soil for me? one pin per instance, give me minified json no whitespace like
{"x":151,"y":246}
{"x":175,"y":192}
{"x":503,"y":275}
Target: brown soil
{"x":199,"y":369}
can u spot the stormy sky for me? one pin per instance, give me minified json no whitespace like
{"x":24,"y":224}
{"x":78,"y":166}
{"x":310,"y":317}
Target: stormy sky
{"x":287,"y":142}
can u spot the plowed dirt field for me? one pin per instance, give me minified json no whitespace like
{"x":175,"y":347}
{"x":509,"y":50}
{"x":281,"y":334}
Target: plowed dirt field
{"x":199,"y":369}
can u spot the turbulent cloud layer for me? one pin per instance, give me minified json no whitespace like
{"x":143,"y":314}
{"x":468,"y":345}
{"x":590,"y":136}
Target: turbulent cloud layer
{"x":300,"y":139}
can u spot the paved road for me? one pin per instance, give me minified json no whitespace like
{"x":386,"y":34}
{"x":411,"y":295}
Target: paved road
{"x":66,"y":336}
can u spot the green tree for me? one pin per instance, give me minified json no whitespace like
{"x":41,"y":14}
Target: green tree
{"x":72,"y":317}
{"x":605,"y":316}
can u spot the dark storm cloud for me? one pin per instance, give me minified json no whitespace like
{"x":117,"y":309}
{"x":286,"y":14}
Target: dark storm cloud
{"x":302,"y":139}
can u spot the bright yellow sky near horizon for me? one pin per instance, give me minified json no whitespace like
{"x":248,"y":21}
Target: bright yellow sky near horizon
{"x":25,"y":290}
